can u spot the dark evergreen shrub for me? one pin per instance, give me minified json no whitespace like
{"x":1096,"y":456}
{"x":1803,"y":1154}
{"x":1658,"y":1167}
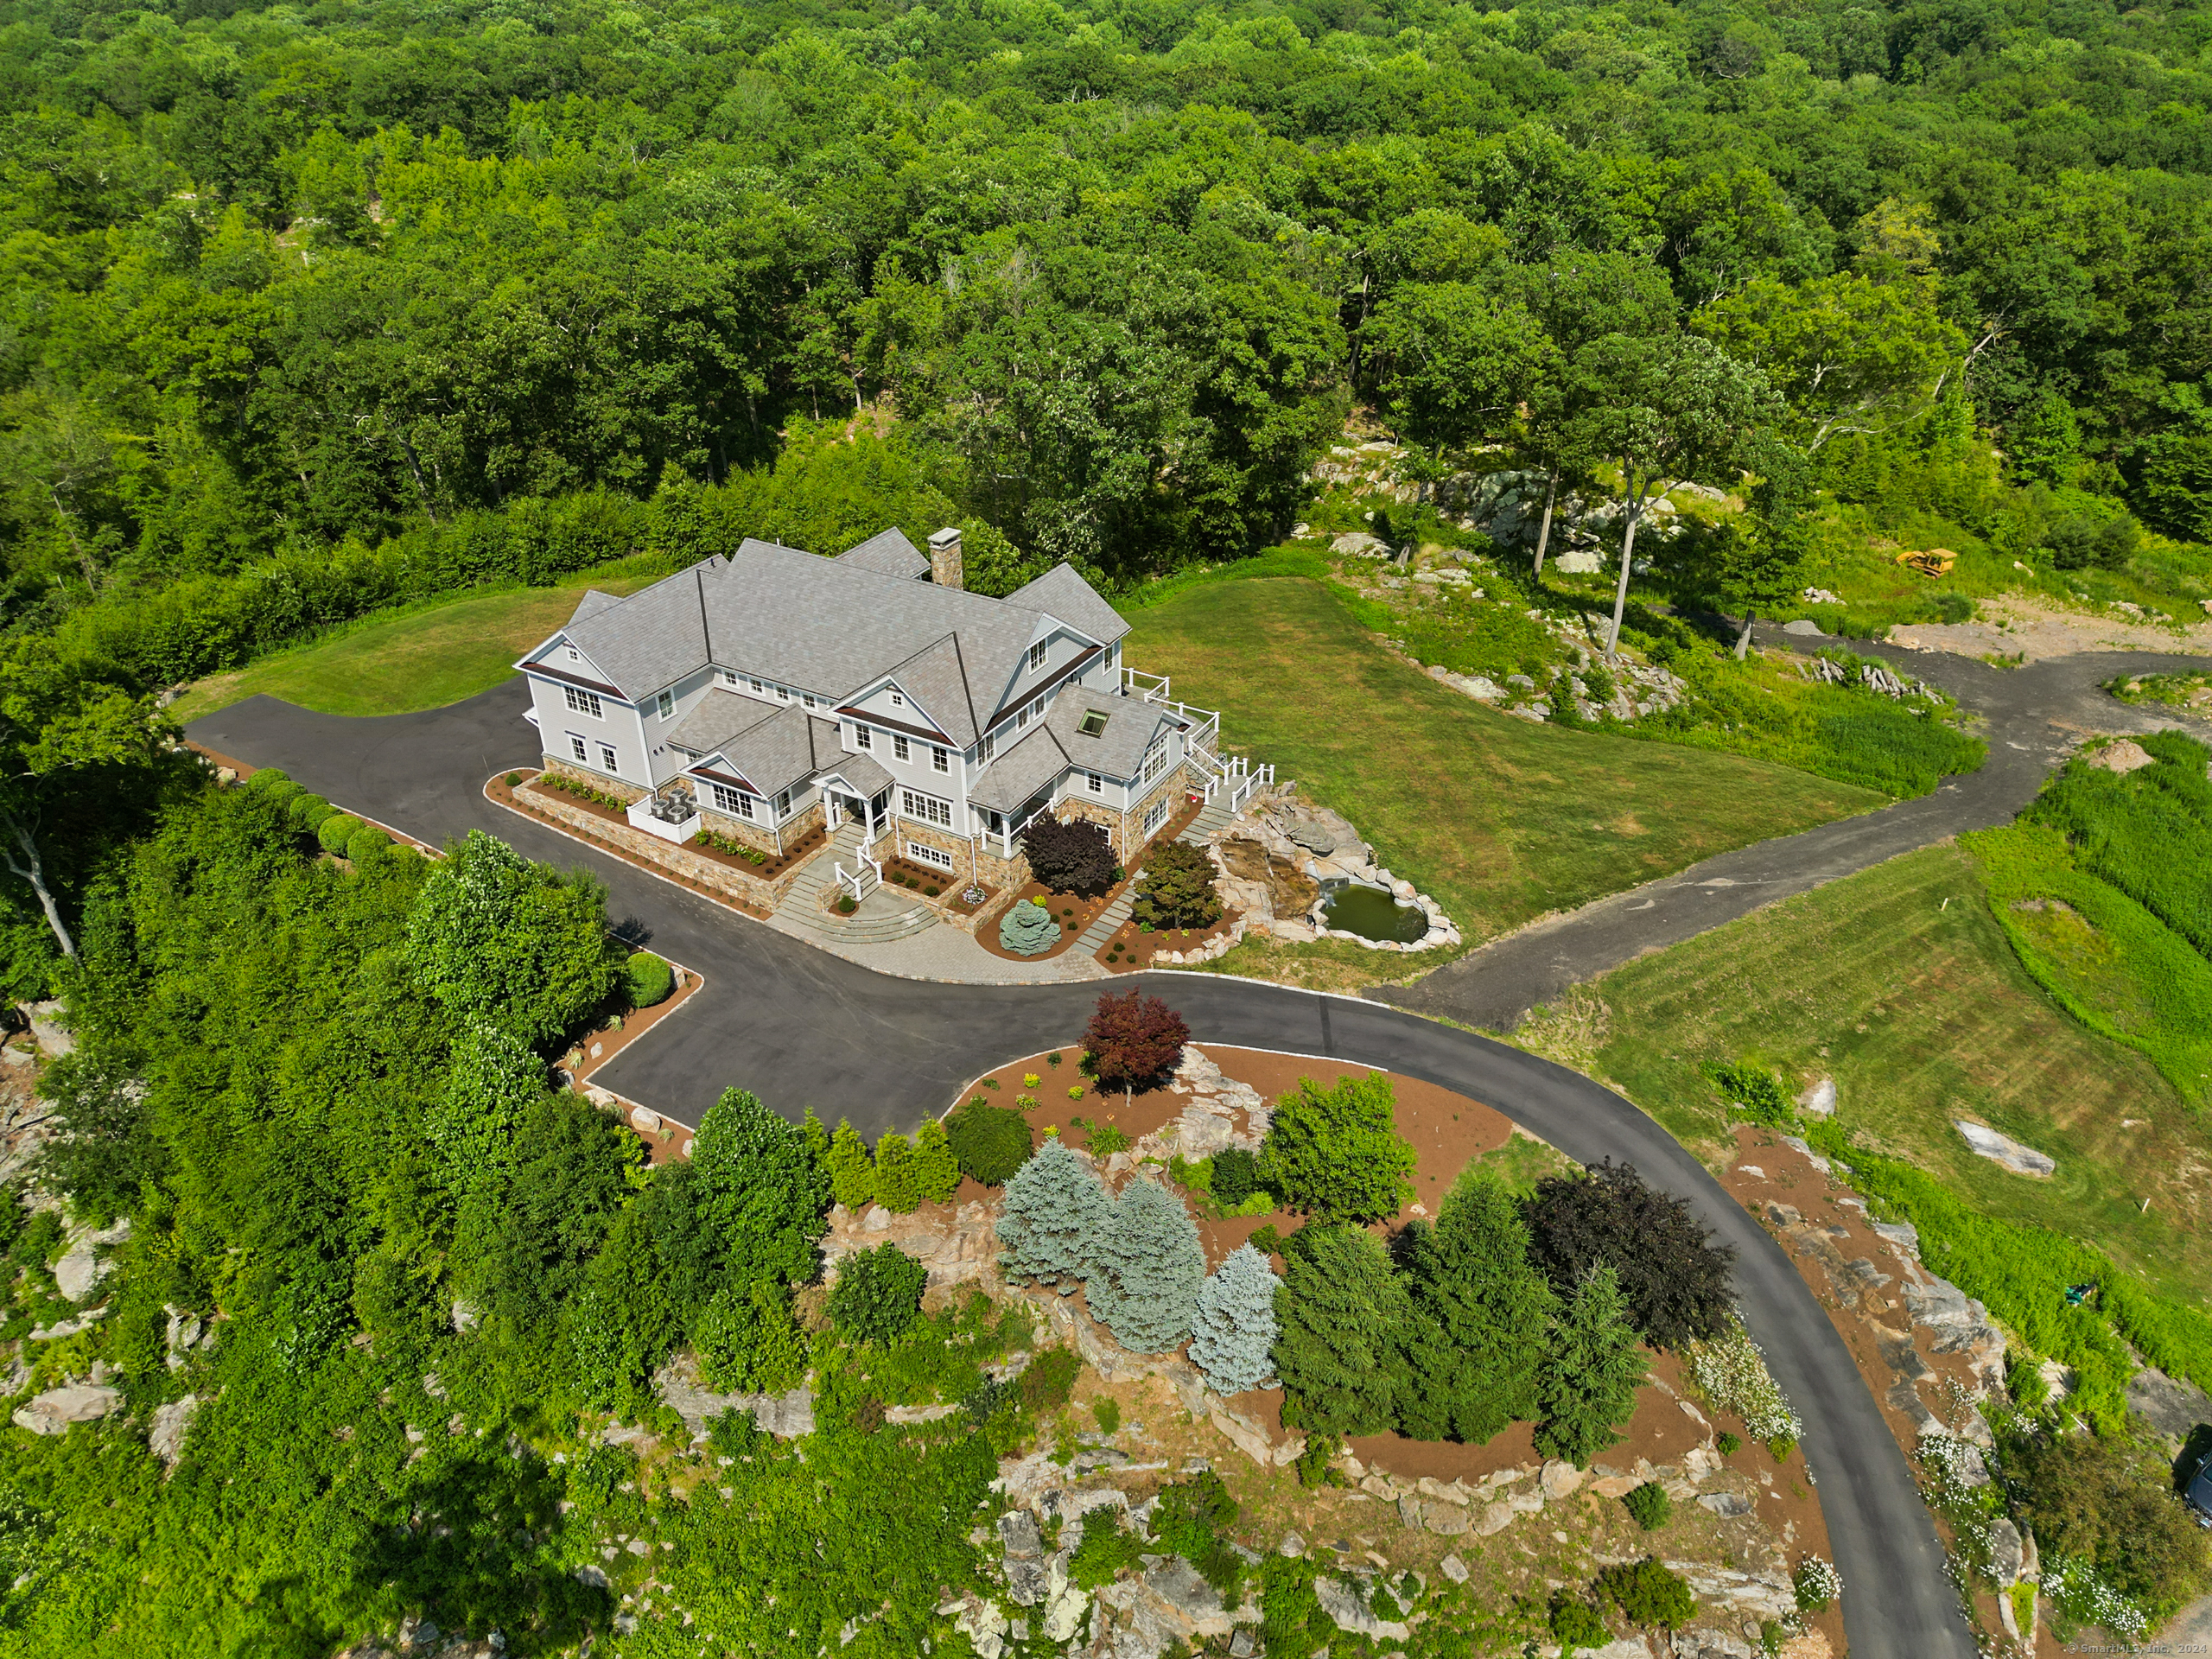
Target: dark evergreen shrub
{"x":1676,"y":1279}
{"x":1647,"y":1593}
{"x":990,"y":1142}
{"x":878,"y":1295}
{"x":1236,"y":1176}
{"x":1649,"y":1506}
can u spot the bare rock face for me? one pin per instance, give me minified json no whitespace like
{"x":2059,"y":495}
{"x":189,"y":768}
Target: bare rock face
{"x":2124,"y":756}
{"x":1559,"y":1478}
{"x":53,"y":1411}
{"x":957,"y":1246}
{"x":2171,"y":1407}
{"x":2004,"y":1151}
{"x":787,"y":1416}
{"x":165,"y":1435}
{"x":1344,"y":1600}
{"x":77,"y":1276}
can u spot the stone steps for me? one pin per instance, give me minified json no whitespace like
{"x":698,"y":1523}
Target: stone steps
{"x":1107,"y":922}
{"x":806,"y":904}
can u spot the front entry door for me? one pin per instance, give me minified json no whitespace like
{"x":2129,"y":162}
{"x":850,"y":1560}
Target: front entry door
{"x":851,"y":808}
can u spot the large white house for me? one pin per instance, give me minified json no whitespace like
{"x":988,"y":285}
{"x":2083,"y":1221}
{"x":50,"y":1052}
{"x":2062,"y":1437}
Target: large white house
{"x":774,"y":690}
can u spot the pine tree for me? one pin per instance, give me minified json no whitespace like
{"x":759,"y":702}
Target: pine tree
{"x":1235,"y":1327}
{"x":1592,"y":1366}
{"x":896,"y":1187}
{"x":937,"y":1170}
{"x":1341,"y":1309}
{"x":1055,"y":1212}
{"x":1144,"y":1287}
{"x":1472,"y":1278}
{"x":852,"y":1172}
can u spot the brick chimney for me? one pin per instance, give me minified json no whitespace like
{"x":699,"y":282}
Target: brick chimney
{"x":944,"y":557}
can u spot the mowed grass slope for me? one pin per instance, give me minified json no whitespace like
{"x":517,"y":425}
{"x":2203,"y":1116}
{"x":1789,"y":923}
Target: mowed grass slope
{"x":1502,"y":819}
{"x":396,"y":664}
{"x":1900,"y":984}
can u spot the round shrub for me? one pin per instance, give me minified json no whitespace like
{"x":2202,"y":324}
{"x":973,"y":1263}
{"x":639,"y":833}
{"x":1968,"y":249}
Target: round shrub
{"x":335,"y":831}
{"x":319,"y":814}
{"x":878,"y":1295}
{"x":300,"y":804}
{"x":284,"y":793}
{"x":1649,"y":1506}
{"x":1236,"y":1176}
{"x":648,"y":979}
{"x":267,"y":777}
{"x":990,"y":1142}
{"x":365,"y":843}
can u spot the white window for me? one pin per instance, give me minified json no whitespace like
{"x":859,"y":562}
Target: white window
{"x":1094,"y":783}
{"x":808,"y":699}
{"x":1156,"y":815}
{"x":734,"y":802}
{"x":576,"y":747}
{"x":606,"y":757}
{"x":900,"y":748}
{"x":758,"y":688}
{"x":783,"y":694}
{"x":863,"y":737}
{"x":729,"y":677}
{"x":898,"y":700}
{"x":939,"y":760}
{"x":583,"y":703}
{"x":1036,"y":657}
{"x":925,"y":808}
{"x":1156,"y":761}
{"x":575,"y":655}
{"x":923,"y":855}
{"x":783,"y":803}
{"x":990,"y":747}
{"x":666,"y":703}
{"x":1021,"y":720}
{"x":1037,"y":709}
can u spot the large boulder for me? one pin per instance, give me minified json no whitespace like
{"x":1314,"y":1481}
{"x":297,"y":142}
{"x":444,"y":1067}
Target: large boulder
{"x":2004,"y":1151}
{"x":53,"y":1411}
{"x":165,"y":1435}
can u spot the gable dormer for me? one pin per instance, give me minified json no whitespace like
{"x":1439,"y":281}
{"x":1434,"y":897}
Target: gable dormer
{"x":563,"y":660}
{"x":890,"y":703}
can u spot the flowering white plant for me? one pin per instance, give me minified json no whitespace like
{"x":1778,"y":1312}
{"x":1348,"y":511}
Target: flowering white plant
{"x":1730,"y":1370}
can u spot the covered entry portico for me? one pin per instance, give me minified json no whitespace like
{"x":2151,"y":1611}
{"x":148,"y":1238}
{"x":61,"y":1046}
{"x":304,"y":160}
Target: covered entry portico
{"x":859,"y":792}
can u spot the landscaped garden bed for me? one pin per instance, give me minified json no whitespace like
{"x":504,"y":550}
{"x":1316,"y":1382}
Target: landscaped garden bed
{"x":1074,"y":911}
{"x":1132,"y":947}
{"x":764,"y":865}
{"x":521,"y":800}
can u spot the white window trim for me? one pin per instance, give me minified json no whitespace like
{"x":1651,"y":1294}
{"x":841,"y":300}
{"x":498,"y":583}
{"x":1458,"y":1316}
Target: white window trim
{"x":584,"y":702}
{"x":665,"y":705}
{"x":989,"y":748}
{"x":900,"y":748}
{"x":898,"y":700}
{"x":1037,"y":654}
{"x":924,"y":808}
{"x":609,"y":761}
{"x":1156,"y":816}
{"x":579,"y":748}
{"x":575,"y":655}
{"x":731,"y":803}
{"x":862,"y":738}
{"x":940,"y":760}
{"x":928,"y":854}
{"x":1094,"y":783}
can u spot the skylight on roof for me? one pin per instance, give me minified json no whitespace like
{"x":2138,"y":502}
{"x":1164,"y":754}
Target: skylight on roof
{"x":1093,"y":723}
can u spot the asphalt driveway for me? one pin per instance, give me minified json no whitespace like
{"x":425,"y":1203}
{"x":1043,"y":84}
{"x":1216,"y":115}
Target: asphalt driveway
{"x":801,"y":1027}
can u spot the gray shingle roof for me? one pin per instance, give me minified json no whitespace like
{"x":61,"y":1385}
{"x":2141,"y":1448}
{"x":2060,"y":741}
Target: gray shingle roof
{"x":890,"y":553}
{"x":863,"y":771}
{"x":1072,"y":600}
{"x":1021,"y":771}
{"x":1117,"y":751}
{"x":720,"y":717}
{"x":835,"y":627}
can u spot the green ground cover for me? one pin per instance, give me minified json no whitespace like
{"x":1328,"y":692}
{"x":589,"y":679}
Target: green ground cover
{"x":395,"y":663}
{"x":1901,"y":984}
{"x":1501,"y":819}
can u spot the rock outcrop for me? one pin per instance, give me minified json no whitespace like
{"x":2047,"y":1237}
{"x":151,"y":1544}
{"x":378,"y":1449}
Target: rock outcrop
{"x":53,"y":1411}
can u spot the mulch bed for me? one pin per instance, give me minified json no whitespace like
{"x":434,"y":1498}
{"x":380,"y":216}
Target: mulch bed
{"x":1132,"y":949}
{"x":918,"y":879}
{"x":1085,"y":910}
{"x":497,"y":791}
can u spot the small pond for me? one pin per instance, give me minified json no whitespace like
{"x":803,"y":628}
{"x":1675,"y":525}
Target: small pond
{"x":1372,"y":914}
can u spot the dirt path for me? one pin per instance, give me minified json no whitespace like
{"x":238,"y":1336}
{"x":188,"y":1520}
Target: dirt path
{"x":2032,"y":718}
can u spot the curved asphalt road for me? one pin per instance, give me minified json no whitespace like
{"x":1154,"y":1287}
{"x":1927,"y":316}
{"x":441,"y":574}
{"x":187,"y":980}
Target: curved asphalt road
{"x":801,"y":1026}
{"x":2031,"y":717}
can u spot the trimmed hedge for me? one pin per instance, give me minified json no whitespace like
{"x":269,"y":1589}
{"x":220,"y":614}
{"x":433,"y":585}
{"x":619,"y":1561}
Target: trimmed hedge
{"x":648,"y":978}
{"x":267,"y":777}
{"x":367,"y":842}
{"x":990,"y":1142}
{"x":284,"y":792}
{"x":299,"y":802}
{"x":335,"y":831}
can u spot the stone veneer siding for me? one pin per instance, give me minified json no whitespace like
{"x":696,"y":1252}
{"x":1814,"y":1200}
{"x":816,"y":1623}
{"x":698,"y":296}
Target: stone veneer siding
{"x":755,"y":891}
{"x":629,"y":791}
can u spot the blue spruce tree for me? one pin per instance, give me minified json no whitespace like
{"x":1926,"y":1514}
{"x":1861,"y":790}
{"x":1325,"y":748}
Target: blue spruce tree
{"x":1235,"y":1327}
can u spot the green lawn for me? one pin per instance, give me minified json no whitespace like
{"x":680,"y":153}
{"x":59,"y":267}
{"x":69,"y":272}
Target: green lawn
{"x":1899,"y":983}
{"x":395,"y":664}
{"x":1502,"y":819}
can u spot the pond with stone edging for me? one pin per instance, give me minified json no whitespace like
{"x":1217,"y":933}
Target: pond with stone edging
{"x":1355,"y":908}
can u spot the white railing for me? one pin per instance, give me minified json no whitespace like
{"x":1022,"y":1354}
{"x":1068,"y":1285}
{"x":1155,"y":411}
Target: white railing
{"x":864,"y":879}
{"x":1232,"y":781}
{"x":1008,"y":841}
{"x":642,"y":816}
{"x":1205,"y":734}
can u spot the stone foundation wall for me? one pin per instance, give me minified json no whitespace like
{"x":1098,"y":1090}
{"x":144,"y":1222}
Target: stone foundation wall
{"x":1003,"y":874}
{"x":755,"y":891}
{"x":739,"y":829}
{"x":629,"y":791}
